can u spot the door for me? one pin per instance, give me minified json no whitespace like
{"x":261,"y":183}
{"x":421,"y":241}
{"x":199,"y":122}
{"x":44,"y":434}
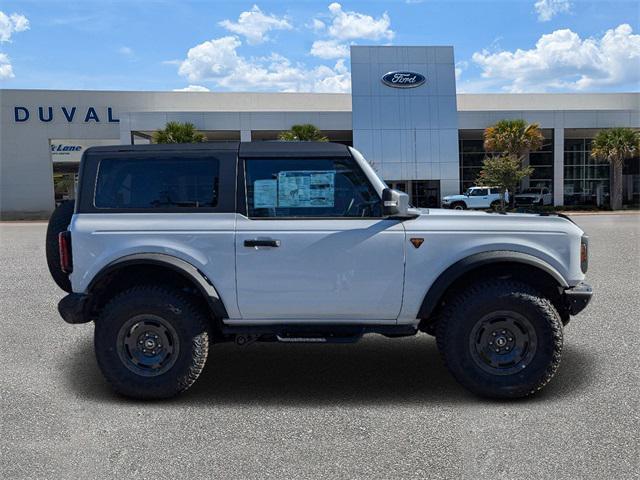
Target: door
{"x":479,"y":198}
{"x":314,"y":245}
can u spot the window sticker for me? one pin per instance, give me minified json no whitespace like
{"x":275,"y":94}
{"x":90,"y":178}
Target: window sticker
{"x":265,"y":193}
{"x":306,"y":188}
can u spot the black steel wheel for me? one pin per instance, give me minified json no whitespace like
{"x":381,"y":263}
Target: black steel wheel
{"x":148,"y":345}
{"x":500,"y":338}
{"x":151,"y":342}
{"x":503,"y":342}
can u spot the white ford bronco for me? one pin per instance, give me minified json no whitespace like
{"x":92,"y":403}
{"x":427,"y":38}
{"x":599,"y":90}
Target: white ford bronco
{"x":475,"y":197}
{"x":170,"y":249}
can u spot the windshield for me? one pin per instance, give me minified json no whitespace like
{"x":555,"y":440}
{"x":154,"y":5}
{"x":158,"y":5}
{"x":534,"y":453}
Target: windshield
{"x":531,"y":190}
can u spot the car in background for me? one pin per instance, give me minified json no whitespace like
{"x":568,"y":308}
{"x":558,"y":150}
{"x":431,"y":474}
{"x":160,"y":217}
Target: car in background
{"x":538,"y":196}
{"x":475,"y":197}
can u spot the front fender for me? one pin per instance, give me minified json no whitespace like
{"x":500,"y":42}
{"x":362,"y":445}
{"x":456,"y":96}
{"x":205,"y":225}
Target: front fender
{"x":458,"y":269}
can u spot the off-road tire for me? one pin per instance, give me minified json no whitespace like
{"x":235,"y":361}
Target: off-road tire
{"x":495,"y":205}
{"x":459,"y":206}
{"x":461,"y":314}
{"x":183,"y":315}
{"x":58,"y":222}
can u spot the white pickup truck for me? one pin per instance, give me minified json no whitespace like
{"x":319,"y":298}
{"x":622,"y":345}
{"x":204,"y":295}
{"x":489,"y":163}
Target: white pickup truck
{"x":170,"y":249}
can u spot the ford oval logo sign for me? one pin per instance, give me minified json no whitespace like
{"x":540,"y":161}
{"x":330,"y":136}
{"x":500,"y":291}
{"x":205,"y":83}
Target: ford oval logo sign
{"x":403,"y":79}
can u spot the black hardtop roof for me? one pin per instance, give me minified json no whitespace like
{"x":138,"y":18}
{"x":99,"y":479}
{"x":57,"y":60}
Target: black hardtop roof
{"x":244,"y":149}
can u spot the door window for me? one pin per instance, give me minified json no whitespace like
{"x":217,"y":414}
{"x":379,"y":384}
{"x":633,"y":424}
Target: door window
{"x":318,"y":187}
{"x":478,"y":192}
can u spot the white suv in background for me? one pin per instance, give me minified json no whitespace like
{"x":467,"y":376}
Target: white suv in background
{"x":475,"y":197}
{"x":534,"y":196}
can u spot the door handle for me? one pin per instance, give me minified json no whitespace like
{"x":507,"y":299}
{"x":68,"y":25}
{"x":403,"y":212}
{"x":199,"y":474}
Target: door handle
{"x":262,"y":243}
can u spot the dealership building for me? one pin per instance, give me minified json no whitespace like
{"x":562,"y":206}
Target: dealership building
{"x":420,"y":135}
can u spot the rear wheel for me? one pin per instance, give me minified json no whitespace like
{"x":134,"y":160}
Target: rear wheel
{"x":58,"y":222}
{"x":495,"y":204}
{"x":501,"y":339}
{"x":151,"y":342}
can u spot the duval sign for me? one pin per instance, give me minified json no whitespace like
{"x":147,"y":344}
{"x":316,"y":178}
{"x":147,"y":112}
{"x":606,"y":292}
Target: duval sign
{"x":403,"y":79}
{"x":67,"y":114}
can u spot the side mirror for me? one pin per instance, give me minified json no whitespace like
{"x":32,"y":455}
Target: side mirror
{"x":395,"y":204}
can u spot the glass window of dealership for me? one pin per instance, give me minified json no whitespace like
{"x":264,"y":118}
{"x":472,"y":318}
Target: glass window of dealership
{"x":586,"y":179}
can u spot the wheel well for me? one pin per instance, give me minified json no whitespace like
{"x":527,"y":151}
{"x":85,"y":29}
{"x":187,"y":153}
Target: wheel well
{"x":121,"y":278}
{"x":534,"y":276}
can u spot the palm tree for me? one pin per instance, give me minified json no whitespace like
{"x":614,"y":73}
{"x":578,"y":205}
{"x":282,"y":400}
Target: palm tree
{"x":176,"y":132}
{"x":303,"y":133}
{"x":615,"y":146}
{"x":514,"y":138}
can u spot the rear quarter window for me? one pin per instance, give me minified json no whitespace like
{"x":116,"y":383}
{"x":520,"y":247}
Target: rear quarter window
{"x":157,"y":183}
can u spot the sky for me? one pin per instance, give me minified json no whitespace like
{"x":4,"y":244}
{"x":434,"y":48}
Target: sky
{"x":500,"y":46}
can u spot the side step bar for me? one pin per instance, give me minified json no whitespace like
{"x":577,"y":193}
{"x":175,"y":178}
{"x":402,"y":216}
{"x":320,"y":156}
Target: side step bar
{"x":313,"y":333}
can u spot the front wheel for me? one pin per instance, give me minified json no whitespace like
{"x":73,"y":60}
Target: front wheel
{"x":151,"y":342}
{"x":500,"y":339}
{"x":459,"y":206}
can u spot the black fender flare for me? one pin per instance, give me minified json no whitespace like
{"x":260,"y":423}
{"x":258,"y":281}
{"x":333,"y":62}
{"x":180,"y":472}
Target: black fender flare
{"x":182,"y":267}
{"x":439,"y":287}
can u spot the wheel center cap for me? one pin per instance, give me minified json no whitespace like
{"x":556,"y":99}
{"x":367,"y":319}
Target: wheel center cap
{"x":501,"y":341}
{"x":150,"y":343}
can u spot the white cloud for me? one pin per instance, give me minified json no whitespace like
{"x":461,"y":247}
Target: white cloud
{"x":255,"y":24}
{"x":562,"y":60}
{"x":351,"y":25}
{"x":316,"y":25}
{"x":10,"y":24}
{"x":329,"y":49}
{"x":6,"y":70}
{"x":192,"y":88}
{"x":547,"y":9}
{"x":218,"y":61}
{"x":126,"y":51}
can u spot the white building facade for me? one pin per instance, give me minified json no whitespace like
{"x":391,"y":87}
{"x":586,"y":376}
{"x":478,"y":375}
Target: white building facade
{"x":403,"y":114}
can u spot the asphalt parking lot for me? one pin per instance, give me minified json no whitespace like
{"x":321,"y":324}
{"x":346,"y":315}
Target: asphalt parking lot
{"x":379,"y":409}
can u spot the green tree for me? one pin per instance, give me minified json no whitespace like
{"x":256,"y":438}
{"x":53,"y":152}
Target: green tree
{"x":176,"y":132}
{"x":303,"y":133}
{"x":615,"y":146}
{"x":505,"y":172}
{"x":515,"y":138}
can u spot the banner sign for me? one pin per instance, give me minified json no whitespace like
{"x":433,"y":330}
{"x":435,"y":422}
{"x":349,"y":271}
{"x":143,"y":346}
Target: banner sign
{"x":70,"y":151}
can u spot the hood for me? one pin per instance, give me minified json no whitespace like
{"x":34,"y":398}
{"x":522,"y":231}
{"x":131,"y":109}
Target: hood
{"x":454,"y":197}
{"x":441,"y":219}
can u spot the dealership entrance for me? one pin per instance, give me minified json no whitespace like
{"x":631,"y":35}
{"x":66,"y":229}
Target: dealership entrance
{"x":422,"y":193}
{"x":65,"y":161}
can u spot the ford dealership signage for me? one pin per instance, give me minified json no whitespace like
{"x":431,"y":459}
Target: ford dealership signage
{"x":67,"y":114}
{"x":403,"y":79}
